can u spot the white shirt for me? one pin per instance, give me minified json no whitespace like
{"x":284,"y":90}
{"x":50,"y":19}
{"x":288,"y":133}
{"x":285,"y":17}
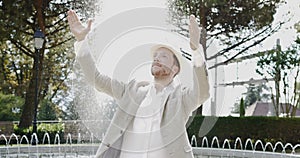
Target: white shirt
{"x":142,"y":138}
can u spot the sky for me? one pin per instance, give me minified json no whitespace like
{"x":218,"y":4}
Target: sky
{"x":226,"y":97}
{"x":244,"y":71}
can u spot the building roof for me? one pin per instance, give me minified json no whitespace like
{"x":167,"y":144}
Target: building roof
{"x":266,"y":109}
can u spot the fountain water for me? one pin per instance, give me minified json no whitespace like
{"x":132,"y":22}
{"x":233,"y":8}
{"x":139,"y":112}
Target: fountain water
{"x":259,"y":142}
{"x":238,"y":140}
{"x":226,"y":142}
{"x":194,"y":141}
{"x":205,"y":140}
{"x":215,"y":139}
{"x":23,"y":147}
{"x":246,"y":150}
{"x":46,"y":135}
{"x":249,"y":141}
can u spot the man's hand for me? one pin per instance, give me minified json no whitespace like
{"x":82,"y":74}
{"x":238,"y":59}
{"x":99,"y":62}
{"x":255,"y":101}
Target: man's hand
{"x":78,"y":30}
{"x":194,"y":33}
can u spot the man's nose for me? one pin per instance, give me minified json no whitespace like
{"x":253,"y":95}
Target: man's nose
{"x":156,"y":58}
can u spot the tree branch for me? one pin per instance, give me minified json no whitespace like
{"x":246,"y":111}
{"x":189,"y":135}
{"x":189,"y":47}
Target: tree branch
{"x":57,"y":22}
{"x":20,"y":46}
{"x":59,"y":85}
{"x":60,"y":43}
{"x":222,"y":52}
{"x":57,"y":30}
{"x":245,"y":49}
{"x":251,"y":56}
{"x":16,"y":72}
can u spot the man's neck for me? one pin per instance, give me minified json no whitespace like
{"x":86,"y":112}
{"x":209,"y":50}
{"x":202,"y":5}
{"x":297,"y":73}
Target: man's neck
{"x":161,"y":83}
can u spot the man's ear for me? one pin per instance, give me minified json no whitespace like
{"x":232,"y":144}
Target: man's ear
{"x":175,"y":69}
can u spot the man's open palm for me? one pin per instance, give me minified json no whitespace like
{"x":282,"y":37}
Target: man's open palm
{"x":77,"y":28}
{"x":194,"y":33}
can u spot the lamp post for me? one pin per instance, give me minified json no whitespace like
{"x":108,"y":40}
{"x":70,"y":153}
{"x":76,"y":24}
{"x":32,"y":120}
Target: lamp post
{"x":38,"y":44}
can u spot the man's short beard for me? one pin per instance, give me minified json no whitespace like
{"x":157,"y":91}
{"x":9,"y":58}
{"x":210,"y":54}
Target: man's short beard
{"x":161,"y":73}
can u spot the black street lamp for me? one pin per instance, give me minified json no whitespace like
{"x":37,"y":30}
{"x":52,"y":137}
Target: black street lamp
{"x":38,"y":44}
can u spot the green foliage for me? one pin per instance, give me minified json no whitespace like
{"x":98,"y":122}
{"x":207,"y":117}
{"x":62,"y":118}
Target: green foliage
{"x":278,"y":60}
{"x":10,"y":107}
{"x":270,"y":129}
{"x":237,"y":23}
{"x":256,"y":93}
{"x":242,"y":108}
{"x":48,"y":111}
{"x":42,"y":128}
{"x":51,"y":128}
{"x":17,"y":53}
{"x":70,"y":113}
{"x":279,"y":65}
{"x":297,"y":26}
{"x":228,"y":16}
{"x":253,"y":94}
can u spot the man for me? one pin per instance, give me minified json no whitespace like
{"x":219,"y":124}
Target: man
{"x":151,"y":117}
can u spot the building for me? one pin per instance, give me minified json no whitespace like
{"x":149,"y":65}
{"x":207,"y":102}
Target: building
{"x":267,"y":109}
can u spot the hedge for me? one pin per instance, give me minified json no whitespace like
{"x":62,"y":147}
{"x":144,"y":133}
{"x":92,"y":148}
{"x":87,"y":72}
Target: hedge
{"x":266,"y":129}
{"x":51,"y":129}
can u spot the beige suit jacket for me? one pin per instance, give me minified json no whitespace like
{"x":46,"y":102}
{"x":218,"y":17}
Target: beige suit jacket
{"x":177,"y":109}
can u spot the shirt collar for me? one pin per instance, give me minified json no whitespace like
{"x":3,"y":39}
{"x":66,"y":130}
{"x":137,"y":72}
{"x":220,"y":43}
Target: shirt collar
{"x":165,"y":90}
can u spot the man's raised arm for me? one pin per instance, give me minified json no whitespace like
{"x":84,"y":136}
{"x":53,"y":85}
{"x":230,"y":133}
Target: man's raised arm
{"x":83,"y":56}
{"x":197,"y":95}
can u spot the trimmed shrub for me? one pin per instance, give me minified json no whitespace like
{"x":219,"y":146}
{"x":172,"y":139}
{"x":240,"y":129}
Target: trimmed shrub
{"x":266,"y":129}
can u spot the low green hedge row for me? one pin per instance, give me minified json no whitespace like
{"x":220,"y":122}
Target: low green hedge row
{"x":51,"y":128}
{"x":266,"y":129}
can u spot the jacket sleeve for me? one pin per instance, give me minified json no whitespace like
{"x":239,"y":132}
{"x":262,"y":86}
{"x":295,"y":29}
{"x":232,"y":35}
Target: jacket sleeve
{"x":193,"y":97}
{"x":99,"y":81}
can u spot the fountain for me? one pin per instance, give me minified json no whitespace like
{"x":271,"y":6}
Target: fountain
{"x":246,"y":150}
{"x":23,"y":148}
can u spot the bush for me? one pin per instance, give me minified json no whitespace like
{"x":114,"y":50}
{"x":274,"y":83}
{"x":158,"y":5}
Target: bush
{"x":10,"y":107}
{"x":51,"y":128}
{"x":266,"y":129}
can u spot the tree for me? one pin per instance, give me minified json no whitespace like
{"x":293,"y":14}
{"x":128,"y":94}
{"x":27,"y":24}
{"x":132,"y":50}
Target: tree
{"x":239,"y":24}
{"x":242,"y":108}
{"x":18,"y":55}
{"x":256,"y":93}
{"x":70,"y":113}
{"x":48,"y":111}
{"x":297,"y":26}
{"x":253,"y":94}
{"x":10,"y":107}
{"x":296,"y":97}
{"x":295,"y":86}
{"x":280,"y":64}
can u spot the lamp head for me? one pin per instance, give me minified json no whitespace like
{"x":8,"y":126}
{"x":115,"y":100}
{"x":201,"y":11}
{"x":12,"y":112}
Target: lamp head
{"x":38,"y":39}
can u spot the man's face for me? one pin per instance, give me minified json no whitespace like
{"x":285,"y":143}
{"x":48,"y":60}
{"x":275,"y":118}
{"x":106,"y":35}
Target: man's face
{"x":163,"y":63}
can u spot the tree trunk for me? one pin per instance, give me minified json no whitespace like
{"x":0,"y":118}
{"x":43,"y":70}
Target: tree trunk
{"x":277,"y":85}
{"x":29,"y":106}
{"x":295,"y":107}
